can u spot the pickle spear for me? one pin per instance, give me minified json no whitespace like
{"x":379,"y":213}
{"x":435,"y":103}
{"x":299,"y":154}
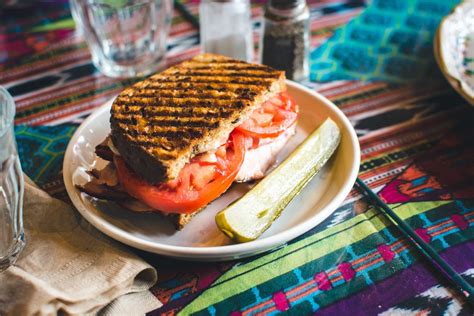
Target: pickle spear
{"x":250,"y":216}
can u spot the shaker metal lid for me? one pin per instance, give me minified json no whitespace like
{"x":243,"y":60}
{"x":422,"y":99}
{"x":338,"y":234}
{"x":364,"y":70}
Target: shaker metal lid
{"x":286,"y":8}
{"x":286,"y":4}
{"x":224,"y":1}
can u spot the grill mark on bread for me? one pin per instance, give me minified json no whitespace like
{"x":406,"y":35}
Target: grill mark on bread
{"x":159,"y":88}
{"x":158,"y":92}
{"x":170,"y":135}
{"x":232,"y":66}
{"x":226,"y":66}
{"x":130,"y":116}
{"x":162,"y":147}
{"x":174,"y":108}
{"x":180,"y":102}
{"x":221,"y":74}
{"x":164,"y":142}
{"x":152,"y":99}
{"x":167,"y":121}
{"x":168,"y":141}
{"x":184,"y":122}
{"x":204,"y":92}
{"x":166,"y":147}
{"x":162,"y":95}
{"x":188,"y":112}
{"x":163,"y":155}
{"x":202,"y":97}
{"x":173,"y":133}
{"x":183,"y":102}
{"x":220,"y":87}
{"x":255,"y":83}
{"x":216,"y":61}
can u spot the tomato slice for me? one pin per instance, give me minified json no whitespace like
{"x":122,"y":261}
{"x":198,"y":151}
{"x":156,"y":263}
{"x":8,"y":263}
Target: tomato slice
{"x":197,"y":184}
{"x":272,"y":118}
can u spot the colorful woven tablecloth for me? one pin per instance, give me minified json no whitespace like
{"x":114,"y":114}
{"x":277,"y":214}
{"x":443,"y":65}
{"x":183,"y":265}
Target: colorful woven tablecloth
{"x":416,"y":136}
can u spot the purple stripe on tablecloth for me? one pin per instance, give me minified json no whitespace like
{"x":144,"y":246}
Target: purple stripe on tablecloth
{"x":402,"y":286}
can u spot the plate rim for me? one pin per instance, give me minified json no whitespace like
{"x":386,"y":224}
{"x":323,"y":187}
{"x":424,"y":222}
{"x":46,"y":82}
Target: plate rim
{"x":227,"y":252}
{"x":455,"y":82}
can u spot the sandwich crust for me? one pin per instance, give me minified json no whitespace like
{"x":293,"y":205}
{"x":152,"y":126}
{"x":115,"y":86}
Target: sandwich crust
{"x":160,"y":123}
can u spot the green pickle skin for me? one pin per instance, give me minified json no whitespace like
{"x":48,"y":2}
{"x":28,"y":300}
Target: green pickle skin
{"x":250,"y":216}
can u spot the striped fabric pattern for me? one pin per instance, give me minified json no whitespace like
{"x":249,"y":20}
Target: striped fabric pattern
{"x":417,"y":149}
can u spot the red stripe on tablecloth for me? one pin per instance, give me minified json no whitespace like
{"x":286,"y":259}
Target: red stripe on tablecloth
{"x":23,"y":72}
{"x":61,"y":92}
{"x":334,"y":19}
{"x":76,"y":107}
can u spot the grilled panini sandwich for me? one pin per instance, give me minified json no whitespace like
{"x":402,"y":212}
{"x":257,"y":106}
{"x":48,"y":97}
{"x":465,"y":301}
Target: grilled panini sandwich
{"x":197,"y":125}
{"x":159,"y":124}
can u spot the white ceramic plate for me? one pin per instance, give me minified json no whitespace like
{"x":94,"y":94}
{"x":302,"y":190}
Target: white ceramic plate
{"x":454,"y":49}
{"x":200,"y":239}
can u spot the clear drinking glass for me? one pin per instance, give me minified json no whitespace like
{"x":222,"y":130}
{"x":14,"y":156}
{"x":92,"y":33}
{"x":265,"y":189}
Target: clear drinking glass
{"x":127,"y":38}
{"x":12,"y":238}
{"x":226,"y":28}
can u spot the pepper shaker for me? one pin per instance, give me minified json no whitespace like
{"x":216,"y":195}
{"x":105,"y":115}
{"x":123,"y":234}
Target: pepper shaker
{"x":285,"y":40}
{"x":226,"y":28}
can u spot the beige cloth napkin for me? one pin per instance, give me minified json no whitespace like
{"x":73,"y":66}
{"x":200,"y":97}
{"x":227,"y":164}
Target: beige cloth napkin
{"x":68,"y":266}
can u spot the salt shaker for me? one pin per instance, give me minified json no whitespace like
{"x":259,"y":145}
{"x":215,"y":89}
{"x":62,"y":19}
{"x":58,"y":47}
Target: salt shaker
{"x":226,"y":28}
{"x":285,"y":40}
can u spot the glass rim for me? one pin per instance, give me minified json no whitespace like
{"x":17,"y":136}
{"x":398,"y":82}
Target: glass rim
{"x":9,"y":107}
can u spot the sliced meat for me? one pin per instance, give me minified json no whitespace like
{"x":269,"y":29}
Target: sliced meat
{"x":102,"y":191}
{"x":106,"y":175}
{"x":135,"y":205}
{"x":103,"y":150}
{"x":257,"y":161}
{"x":104,"y":184}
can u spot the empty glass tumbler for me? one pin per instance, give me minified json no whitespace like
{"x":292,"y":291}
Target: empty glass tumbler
{"x":11,"y":186}
{"x":127,"y":38}
{"x":226,"y":28}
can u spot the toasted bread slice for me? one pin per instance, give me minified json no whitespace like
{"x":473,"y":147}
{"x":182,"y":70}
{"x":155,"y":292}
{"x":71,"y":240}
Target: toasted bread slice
{"x":160,"y":123}
{"x":179,"y":220}
{"x":176,"y":219}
